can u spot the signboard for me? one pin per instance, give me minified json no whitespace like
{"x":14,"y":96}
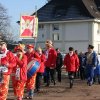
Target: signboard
{"x":28,"y":26}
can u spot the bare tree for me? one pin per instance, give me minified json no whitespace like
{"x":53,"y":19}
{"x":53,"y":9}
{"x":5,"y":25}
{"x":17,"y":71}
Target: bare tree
{"x":4,"y":22}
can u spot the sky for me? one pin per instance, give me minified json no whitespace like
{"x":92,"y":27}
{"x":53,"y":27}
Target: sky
{"x":16,"y":8}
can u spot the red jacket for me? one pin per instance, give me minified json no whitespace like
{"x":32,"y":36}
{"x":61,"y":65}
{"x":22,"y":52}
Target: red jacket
{"x":42,"y":61}
{"x":31,"y":56}
{"x":71,"y":62}
{"x":9,"y":61}
{"x":22,"y":64}
{"x":51,"y":58}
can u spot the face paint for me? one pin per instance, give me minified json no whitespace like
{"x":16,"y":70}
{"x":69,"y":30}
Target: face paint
{"x":3,"y":48}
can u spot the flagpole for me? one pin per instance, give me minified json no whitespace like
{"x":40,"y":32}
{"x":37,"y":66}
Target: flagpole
{"x":35,"y":38}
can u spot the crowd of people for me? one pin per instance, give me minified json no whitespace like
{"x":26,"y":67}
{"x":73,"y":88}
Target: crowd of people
{"x":15,"y":66}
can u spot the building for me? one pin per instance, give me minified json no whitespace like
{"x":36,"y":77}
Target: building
{"x":70,"y":23}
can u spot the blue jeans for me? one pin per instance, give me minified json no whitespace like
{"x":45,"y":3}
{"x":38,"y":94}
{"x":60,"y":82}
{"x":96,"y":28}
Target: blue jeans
{"x":90,"y":73}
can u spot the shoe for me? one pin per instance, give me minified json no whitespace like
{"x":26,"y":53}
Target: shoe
{"x":59,"y":81}
{"x":29,"y":97}
{"x":87,"y":83}
{"x":98,"y":82}
{"x":47,"y":85}
{"x":54,"y":83}
{"x":90,"y":83}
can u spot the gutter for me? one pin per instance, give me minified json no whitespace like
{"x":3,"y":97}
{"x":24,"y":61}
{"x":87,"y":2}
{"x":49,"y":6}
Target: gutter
{"x":69,"y":21}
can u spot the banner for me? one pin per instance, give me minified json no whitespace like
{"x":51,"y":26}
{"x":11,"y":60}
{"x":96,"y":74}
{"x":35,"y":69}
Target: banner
{"x":28,"y":27}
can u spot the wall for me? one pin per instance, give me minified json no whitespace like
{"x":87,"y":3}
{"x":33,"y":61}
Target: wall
{"x":96,"y":36}
{"x":76,"y":34}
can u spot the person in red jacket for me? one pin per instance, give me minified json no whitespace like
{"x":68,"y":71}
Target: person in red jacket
{"x":7,"y":63}
{"x":30,"y":84}
{"x":71,"y":61}
{"x":50,"y":63}
{"x":19,"y":75}
{"x":41,"y":69}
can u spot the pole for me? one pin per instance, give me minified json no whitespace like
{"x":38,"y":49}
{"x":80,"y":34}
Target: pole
{"x":35,"y":39}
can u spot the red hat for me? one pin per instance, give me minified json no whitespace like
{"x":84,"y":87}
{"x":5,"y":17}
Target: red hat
{"x":30,"y":46}
{"x":18,"y":48}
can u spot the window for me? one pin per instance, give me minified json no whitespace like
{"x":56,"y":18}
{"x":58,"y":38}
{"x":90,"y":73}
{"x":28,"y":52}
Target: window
{"x":42,"y":35}
{"x":98,"y":31}
{"x":55,"y":27}
{"x":55,"y":36}
{"x":41,"y":26}
{"x":99,"y":49}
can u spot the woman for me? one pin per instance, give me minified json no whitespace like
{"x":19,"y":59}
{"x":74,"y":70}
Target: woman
{"x":41,"y":69}
{"x":19,"y":75}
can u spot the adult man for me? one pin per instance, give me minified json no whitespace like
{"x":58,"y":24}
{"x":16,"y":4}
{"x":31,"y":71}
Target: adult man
{"x":71,"y":62}
{"x":30,"y":84}
{"x":90,"y":63}
{"x":50,"y":63}
{"x":59,"y":62}
{"x":7,"y":63}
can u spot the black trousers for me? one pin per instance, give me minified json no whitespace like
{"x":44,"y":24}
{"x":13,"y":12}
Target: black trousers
{"x":50,"y":75}
{"x":71,"y":78}
{"x":58,"y":69}
{"x":82,"y":74}
{"x":38,"y":81}
{"x":71,"y":75}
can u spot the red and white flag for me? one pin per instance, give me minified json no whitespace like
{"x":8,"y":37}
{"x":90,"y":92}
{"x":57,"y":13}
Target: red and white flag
{"x":28,"y":26}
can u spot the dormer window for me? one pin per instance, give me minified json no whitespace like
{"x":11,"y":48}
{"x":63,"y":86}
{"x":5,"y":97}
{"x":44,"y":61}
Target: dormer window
{"x":55,"y":26}
{"x":41,"y":26}
{"x":59,"y":11}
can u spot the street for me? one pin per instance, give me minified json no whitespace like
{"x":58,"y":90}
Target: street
{"x":61,"y":91}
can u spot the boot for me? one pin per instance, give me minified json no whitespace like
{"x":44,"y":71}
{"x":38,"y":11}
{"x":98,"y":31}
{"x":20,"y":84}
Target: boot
{"x":31,"y":93}
{"x":71,"y":83}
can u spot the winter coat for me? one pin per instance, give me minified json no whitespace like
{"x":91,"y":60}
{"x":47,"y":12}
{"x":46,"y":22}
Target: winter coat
{"x":42,"y":63}
{"x":51,"y":58}
{"x":9,"y":61}
{"x":22,"y":64}
{"x":71,"y":62}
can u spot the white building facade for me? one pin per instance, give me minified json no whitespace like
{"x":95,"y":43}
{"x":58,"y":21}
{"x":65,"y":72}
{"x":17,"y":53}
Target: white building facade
{"x":69,"y":23}
{"x":78,"y":34}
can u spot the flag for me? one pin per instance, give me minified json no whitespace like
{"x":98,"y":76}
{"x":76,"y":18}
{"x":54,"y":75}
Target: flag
{"x":28,"y":26}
